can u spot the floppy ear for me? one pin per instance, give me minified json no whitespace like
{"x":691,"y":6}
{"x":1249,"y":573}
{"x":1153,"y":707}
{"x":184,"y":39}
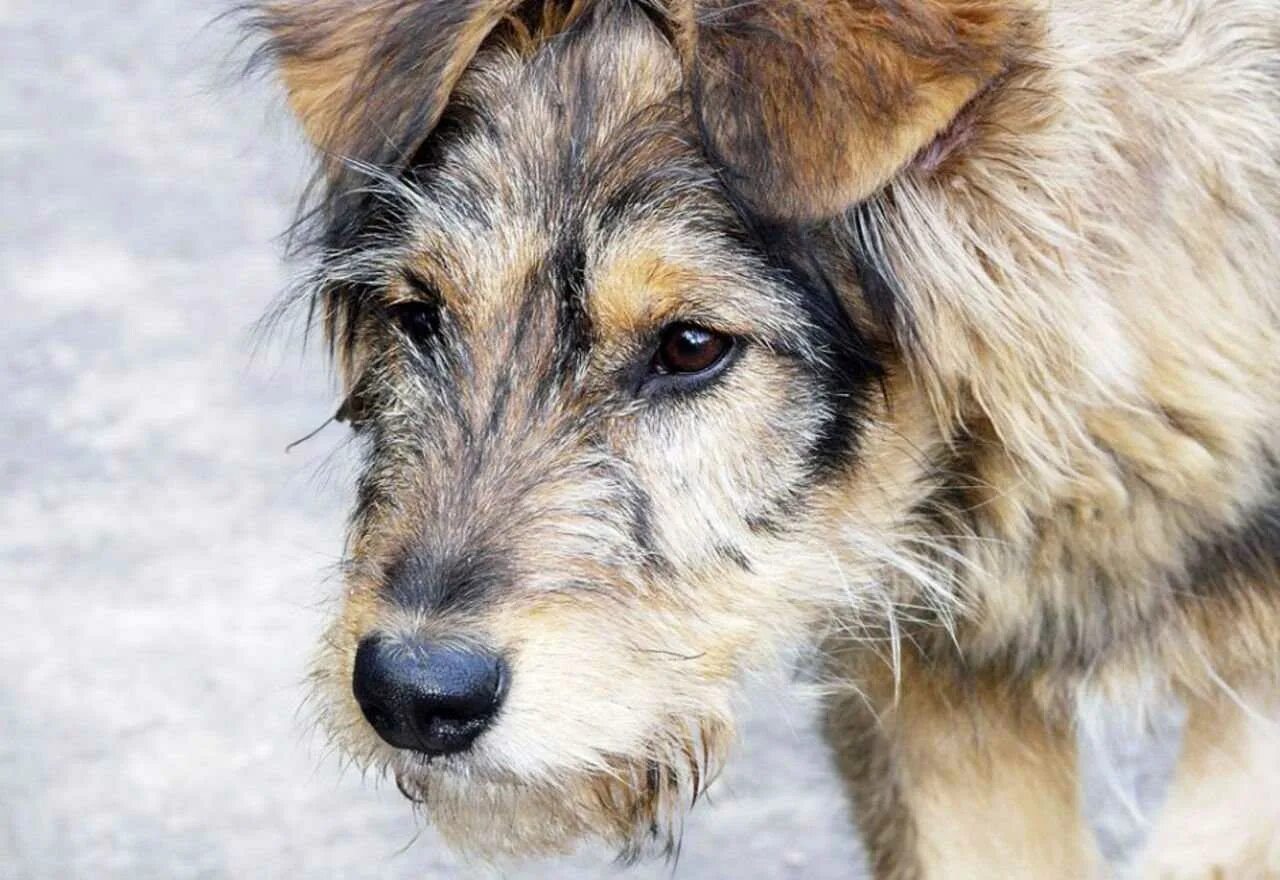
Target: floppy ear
{"x":369,"y":79}
{"x":812,"y":105}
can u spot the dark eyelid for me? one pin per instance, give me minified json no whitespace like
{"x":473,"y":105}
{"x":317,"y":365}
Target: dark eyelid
{"x":418,"y":312}
{"x":421,"y":286}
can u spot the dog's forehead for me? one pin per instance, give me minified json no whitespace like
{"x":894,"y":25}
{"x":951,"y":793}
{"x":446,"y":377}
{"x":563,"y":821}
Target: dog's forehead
{"x":577,"y":155}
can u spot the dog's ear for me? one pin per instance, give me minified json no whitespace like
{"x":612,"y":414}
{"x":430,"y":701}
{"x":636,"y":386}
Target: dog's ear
{"x":369,"y":79}
{"x":812,"y":105}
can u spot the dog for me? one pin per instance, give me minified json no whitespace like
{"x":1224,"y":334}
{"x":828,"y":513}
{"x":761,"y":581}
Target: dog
{"x":933,"y":339}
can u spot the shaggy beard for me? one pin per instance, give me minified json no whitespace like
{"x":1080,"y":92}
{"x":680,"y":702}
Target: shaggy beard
{"x":633,"y":805}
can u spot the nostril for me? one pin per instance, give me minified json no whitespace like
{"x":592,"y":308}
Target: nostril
{"x":426,"y":697}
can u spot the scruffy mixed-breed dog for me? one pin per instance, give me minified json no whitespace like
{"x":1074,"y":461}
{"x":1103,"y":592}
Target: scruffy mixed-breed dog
{"x":938,"y":337}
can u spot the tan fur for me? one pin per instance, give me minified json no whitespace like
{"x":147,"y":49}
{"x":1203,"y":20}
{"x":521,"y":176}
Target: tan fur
{"x":327,"y":80}
{"x":1055,"y":229}
{"x":972,"y":782}
{"x":839,"y":95}
{"x":1221,"y":815}
{"x":1107,"y":422}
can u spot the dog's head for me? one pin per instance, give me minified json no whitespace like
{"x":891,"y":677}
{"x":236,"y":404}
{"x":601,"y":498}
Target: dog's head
{"x":628,"y":396}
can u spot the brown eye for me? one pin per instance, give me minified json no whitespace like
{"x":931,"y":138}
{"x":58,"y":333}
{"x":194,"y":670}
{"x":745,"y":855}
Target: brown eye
{"x":418,"y":317}
{"x":418,"y":320}
{"x":687,"y":348}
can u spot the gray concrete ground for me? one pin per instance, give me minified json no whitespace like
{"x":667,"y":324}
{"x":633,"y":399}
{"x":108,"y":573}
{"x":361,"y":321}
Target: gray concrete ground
{"x":164,"y":565}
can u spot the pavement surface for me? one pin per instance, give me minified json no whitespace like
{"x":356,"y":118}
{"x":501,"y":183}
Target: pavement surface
{"x":165,"y":566}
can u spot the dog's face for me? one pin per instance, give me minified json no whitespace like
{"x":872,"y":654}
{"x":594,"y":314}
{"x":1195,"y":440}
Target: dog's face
{"x":618,"y":410}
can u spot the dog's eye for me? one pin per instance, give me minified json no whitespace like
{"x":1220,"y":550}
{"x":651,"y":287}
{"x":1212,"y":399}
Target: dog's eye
{"x":687,"y":350}
{"x":418,"y":320}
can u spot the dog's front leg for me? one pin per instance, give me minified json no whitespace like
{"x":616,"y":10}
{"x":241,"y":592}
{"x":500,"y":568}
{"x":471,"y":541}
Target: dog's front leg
{"x":1221,"y":818}
{"x":959,"y":782}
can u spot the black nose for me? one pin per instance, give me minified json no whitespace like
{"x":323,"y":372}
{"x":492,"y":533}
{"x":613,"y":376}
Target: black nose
{"x":425,"y":697}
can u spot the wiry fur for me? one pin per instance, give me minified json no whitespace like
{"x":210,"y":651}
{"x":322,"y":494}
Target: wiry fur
{"x":1003,"y":426}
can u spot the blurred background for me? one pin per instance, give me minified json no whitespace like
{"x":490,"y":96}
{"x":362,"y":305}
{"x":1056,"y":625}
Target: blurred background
{"x":165,"y":565}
